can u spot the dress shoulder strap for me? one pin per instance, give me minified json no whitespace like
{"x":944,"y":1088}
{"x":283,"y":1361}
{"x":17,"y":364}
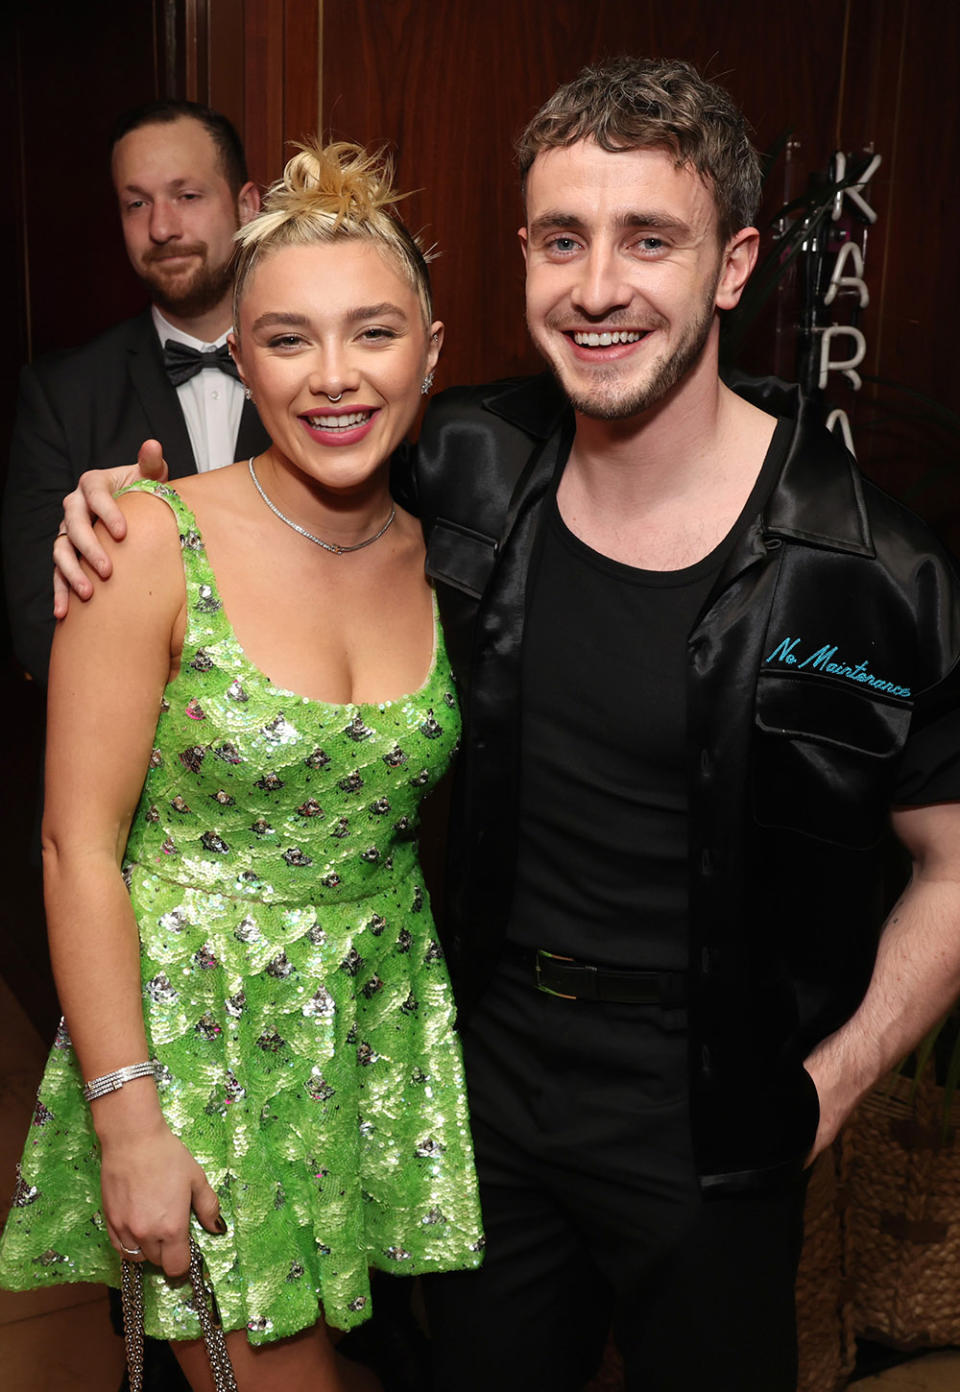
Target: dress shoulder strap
{"x":204,"y":605}
{"x":170,"y":496}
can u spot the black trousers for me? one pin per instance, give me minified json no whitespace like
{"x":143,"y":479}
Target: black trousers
{"x":594,"y":1217}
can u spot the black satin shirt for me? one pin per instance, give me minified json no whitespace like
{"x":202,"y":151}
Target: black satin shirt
{"x":824,"y":664}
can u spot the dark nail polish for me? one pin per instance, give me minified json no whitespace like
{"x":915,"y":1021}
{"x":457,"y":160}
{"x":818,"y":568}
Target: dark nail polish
{"x":220,"y":1226}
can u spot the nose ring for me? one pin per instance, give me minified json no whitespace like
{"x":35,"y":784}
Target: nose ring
{"x":333,"y":398}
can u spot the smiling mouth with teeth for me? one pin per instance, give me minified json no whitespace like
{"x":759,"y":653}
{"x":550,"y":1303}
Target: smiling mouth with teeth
{"x":607,"y":340}
{"x":346,"y":422}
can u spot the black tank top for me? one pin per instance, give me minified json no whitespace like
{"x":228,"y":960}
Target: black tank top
{"x":602,"y":855}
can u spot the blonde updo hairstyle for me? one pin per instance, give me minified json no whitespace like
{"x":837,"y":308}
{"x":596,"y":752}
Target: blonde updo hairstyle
{"x":329,"y":193}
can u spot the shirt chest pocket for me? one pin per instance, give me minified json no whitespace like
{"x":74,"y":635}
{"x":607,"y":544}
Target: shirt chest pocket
{"x":460,"y":557}
{"x":825,"y":758}
{"x":460,"y":563}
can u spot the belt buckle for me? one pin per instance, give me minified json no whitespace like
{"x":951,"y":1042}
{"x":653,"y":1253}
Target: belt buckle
{"x":554,"y":957}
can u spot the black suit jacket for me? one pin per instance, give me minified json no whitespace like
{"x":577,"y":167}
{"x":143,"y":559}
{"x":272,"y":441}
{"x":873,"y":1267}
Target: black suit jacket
{"x":86,"y":408}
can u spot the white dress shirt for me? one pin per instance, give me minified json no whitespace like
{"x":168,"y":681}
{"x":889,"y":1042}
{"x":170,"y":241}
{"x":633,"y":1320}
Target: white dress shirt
{"x":211,"y":402}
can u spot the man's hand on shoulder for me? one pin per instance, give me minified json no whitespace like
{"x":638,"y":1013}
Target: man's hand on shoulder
{"x":91,"y":499}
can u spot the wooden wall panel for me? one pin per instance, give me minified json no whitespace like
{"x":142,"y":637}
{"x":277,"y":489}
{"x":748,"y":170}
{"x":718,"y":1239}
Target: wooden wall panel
{"x":451,"y":85}
{"x":301,"y":63}
{"x":921,"y":271}
{"x":14,"y":292}
{"x":281,"y":71}
{"x":900,"y":98}
{"x":225,"y":85}
{"x":263,"y":87}
{"x":101,"y":60}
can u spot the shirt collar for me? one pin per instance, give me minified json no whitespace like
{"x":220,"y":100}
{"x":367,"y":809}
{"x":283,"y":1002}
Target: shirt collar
{"x":819,"y":497}
{"x":166,"y":330}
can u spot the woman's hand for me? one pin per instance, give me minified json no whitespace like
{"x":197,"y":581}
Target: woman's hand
{"x":76,"y":539}
{"x":150,"y":1182}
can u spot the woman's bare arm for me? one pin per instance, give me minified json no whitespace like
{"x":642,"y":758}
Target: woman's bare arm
{"x":111,"y":661}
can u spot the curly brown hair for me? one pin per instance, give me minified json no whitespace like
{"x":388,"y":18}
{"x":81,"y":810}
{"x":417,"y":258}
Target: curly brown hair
{"x":660,"y":103}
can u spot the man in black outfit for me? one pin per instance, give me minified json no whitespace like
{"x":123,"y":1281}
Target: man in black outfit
{"x":701,"y":660}
{"x":703,"y":664}
{"x":181,"y":181}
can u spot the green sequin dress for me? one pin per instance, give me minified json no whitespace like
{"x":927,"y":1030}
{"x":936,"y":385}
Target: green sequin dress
{"x":295,"y":996}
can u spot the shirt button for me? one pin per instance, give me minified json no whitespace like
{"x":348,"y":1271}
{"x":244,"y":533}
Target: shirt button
{"x":215,"y":395}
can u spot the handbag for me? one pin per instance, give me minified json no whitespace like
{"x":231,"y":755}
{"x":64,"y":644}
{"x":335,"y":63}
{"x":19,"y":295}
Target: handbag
{"x":205,"y":1304}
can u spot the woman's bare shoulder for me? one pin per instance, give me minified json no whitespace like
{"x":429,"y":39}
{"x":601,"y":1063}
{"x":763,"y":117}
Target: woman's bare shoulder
{"x":152,"y":529}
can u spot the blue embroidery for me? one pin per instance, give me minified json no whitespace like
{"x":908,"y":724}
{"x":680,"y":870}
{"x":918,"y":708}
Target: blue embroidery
{"x":822,"y":661}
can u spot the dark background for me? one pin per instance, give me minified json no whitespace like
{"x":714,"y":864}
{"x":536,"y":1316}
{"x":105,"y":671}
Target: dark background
{"x":449,"y":84}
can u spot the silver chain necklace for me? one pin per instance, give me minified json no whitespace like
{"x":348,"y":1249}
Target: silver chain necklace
{"x":327,"y":545}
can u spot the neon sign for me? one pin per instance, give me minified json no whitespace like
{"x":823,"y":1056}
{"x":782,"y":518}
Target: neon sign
{"x":842,"y":346}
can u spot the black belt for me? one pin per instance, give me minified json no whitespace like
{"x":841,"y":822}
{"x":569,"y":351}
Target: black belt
{"x":565,"y":976}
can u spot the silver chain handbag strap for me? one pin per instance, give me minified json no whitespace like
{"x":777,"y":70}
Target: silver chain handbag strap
{"x":131,"y":1298}
{"x":207,"y":1312}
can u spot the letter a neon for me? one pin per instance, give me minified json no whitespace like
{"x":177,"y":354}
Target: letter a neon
{"x":838,"y":281}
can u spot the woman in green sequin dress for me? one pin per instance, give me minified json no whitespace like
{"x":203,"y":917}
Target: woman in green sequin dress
{"x":249,"y":912}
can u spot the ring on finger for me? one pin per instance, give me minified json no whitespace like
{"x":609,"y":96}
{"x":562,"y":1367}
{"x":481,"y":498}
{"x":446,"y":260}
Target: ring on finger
{"x":62,"y":529}
{"x":131,"y":1251}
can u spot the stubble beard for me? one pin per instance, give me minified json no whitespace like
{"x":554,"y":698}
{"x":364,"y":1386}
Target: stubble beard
{"x":192,"y":294}
{"x":609,"y":399}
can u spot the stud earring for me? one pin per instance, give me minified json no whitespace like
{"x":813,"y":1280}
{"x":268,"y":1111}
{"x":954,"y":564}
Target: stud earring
{"x":426,"y":384}
{"x":248,"y":393}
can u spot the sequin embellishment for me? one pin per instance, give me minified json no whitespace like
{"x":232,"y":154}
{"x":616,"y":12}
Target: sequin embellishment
{"x":295,"y":998}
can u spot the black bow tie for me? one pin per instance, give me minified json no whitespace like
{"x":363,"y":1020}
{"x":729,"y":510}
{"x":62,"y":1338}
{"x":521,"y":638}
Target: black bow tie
{"x":183,"y":362}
